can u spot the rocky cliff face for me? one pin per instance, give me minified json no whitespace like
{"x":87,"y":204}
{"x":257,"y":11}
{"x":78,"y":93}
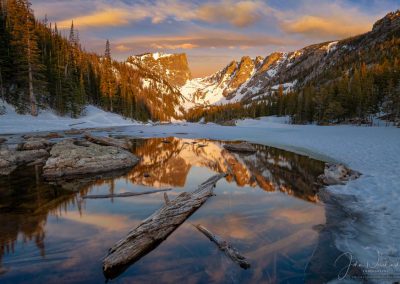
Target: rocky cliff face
{"x":173,"y":67}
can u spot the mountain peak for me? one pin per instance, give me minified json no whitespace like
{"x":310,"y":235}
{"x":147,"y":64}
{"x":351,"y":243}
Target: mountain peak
{"x":173,"y":67}
{"x":391,"y":20}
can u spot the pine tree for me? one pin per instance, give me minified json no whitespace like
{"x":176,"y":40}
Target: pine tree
{"x":107,"y":84}
{"x":26,"y":60}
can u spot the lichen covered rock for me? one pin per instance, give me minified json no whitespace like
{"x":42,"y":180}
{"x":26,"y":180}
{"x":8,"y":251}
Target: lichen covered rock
{"x":71,"y":158}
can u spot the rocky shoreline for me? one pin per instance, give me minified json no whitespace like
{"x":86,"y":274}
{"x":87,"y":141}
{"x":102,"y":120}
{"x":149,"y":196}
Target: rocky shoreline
{"x":67,"y":158}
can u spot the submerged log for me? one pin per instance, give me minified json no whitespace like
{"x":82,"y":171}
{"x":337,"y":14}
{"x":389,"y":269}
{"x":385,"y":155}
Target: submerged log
{"x":156,"y":228}
{"x":125,"y":194}
{"x":109,"y":141}
{"x":241,"y":147}
{"x":230,"y":251}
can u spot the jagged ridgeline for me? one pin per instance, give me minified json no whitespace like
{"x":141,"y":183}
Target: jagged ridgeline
{"x":39,"y":68}
{"x":336,"y":81}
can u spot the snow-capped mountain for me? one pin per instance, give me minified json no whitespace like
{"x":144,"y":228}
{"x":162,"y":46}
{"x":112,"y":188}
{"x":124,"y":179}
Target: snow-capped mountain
{"x":251,"y":79}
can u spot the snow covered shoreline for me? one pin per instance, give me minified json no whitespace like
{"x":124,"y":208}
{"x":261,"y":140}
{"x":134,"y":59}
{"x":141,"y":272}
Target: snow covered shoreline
{"x":373,"y":229}
{"x":12,"y":123}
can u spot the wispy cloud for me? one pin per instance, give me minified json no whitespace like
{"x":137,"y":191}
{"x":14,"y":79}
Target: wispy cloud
{"x":322,"y":27}
{"x":201,"y":38}
{"x":236,"y":13}
{"x":326,"y":20}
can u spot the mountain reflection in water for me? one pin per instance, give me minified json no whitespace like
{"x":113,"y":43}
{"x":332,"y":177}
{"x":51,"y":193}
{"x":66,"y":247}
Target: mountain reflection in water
{"x":46,"y":233}
{"x":269,"y":168}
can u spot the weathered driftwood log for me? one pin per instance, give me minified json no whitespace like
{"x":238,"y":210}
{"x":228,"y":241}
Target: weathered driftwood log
{"x":125,"y":194}
{"x":230,"y":251}
{"x":156,"y":228}
{"x":74,"y":131}
{"x":109,"y":141}
{"x":241,"y":147}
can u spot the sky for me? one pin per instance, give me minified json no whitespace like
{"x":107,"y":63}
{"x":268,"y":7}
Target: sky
{"x":211,"y":33}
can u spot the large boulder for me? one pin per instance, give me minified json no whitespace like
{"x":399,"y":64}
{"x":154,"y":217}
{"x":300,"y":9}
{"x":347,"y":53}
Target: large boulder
{"x":74,"y":158}
{"x":34,"y":143}
{"x":11,"y":159}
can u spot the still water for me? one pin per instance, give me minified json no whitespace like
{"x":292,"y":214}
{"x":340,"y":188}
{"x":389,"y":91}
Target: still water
{"x":267,"y":208}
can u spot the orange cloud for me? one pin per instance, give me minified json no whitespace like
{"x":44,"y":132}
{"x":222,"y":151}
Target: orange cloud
{"x":201,"y":39}
{"x":174,"y":46}
{"x":121,"y":47}
{"x":320,"y":26}
{"x":236,"y":13}
{"x":239,"y":14}
{"x":112,"y":17}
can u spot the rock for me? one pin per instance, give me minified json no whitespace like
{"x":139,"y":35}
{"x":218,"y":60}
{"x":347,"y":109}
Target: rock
{"x":34,"y":144}
{"x":241,"y":147}
{"x":71,"y":158}
{"x":50,"y":135}
{"x":73,"y":131}
{"x":10,"y":159}
{"x":337,"y":174}
{"x":109,"y":141}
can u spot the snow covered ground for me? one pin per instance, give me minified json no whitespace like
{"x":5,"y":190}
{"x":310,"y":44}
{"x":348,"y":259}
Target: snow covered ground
{"x":11,"y":122}
{"x":373,"y":231}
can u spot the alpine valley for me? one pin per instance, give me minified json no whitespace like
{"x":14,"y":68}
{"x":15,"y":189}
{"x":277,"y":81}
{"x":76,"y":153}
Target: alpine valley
{"x":346,"y":80}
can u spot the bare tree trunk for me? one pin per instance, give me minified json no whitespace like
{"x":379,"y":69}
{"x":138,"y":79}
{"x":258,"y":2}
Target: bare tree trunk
{"x":32,"y":98}
{"x":111,"y":99}
{"x":1,"y":86}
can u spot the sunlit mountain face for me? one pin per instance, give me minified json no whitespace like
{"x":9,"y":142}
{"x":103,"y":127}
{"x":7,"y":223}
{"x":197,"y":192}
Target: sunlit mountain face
{"x":267,"y":207}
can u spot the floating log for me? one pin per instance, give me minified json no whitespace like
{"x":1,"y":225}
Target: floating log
{"x":125,"y":194}
{"x":109,"y":141}
{"x":73,"y":124}
{"x":230,"y":251}
{"x":241,"y":147}
{"x":156,"y":228}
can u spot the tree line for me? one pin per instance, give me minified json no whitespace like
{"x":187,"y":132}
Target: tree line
{"x":41,"y":68}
